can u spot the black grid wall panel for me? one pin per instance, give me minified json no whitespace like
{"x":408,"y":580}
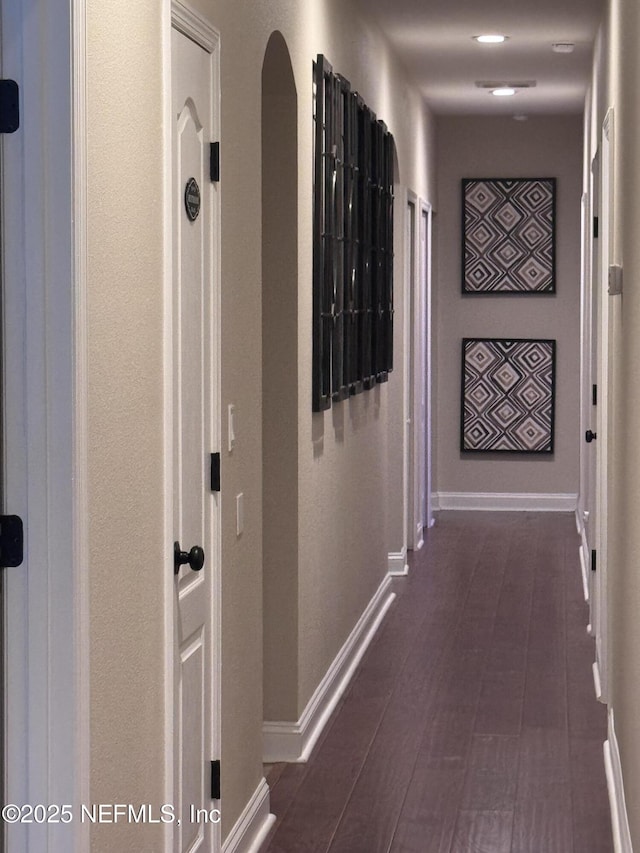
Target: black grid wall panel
{"x":353,"y":242}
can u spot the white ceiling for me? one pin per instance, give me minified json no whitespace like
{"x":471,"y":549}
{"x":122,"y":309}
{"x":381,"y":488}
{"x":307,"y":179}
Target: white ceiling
{"x":434,"y":39}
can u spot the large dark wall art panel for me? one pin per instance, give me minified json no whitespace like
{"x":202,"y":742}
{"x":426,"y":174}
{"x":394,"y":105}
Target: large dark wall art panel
{"x":508,"y":235}
{"x":508,"y":395}
{"x":352,"y":242}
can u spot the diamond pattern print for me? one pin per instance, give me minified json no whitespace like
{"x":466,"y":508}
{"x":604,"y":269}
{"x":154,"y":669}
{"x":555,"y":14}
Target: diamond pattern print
{"x":508,"y":235}
{"x":508,"y":390}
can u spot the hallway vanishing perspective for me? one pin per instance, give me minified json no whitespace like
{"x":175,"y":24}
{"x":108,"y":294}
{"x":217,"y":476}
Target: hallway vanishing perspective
{"x":282,"y":283}
{"x":472,"y":723}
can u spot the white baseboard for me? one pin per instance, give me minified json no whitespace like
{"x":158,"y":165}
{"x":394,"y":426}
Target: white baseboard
{"x":398,"y":565}
{"x":506,"y":501}
{"x":293,"y":742}
{"x":253,"y":825}
{"x":597,"y":686}
{"x":602,"y":673}
{"x":615,"y":786}
{"x":584,"y":570}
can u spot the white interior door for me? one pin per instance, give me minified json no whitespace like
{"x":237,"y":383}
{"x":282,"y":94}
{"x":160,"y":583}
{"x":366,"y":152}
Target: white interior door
{"x":590,"y":333}
{"x":196,"y":523}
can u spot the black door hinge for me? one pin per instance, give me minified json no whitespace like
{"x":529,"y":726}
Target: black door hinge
{"x":11,"y":541}
{"x":593,"y":559}
{"x":214,"y":161}
{"x":594,"y":395}
{"x":215,"y":780}
{"x":595,"y":226}
{"x":9,"y":106}
{"x":215,"y":472}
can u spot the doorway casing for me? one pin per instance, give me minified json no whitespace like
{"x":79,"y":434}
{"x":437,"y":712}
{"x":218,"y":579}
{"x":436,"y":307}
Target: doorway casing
{"x":45,"y":423}
{"x":417,"y":461}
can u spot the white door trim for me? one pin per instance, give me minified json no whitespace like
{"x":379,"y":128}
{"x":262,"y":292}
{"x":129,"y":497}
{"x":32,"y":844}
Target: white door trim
{"x":426,"y":267}
{"x":418,"y":504}
{"x":188,"y":21}
{"x":47,"y":606}
{"x":602,"y":501}
{"x":411,"y":292}
{"x":167,"y":357}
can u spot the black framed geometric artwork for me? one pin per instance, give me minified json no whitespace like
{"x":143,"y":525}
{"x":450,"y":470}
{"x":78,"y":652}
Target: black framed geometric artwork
{"x":352,"y":242}
{"x":508,"y":235}
{"x":508,"y":395}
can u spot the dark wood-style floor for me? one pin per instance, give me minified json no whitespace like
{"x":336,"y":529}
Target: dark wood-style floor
{"x":471,"y":724}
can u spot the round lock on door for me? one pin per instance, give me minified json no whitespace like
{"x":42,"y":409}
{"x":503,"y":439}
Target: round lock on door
{"x":193,"y":558}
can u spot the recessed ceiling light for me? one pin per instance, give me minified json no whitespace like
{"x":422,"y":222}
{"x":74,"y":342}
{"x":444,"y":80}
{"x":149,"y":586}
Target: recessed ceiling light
{"x":506,"y":84}
{"x":490,"y":38}
{"x":503,"y":92}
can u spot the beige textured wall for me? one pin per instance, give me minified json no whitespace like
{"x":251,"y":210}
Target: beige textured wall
{"x":125,"y":273}
{"x":342,"y":460}
{"x":501,"y":147}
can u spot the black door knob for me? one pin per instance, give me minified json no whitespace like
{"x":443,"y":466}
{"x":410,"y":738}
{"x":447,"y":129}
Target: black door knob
{"x":194,"y":558}
{"x":589,"y":436}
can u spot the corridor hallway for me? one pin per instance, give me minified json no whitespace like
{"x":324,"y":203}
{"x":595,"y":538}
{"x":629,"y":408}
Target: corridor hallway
{"x":472,"y":723}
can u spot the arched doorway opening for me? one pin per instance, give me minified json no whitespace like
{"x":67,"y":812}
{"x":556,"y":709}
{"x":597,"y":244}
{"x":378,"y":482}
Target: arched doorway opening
{"x":280,"y":381}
